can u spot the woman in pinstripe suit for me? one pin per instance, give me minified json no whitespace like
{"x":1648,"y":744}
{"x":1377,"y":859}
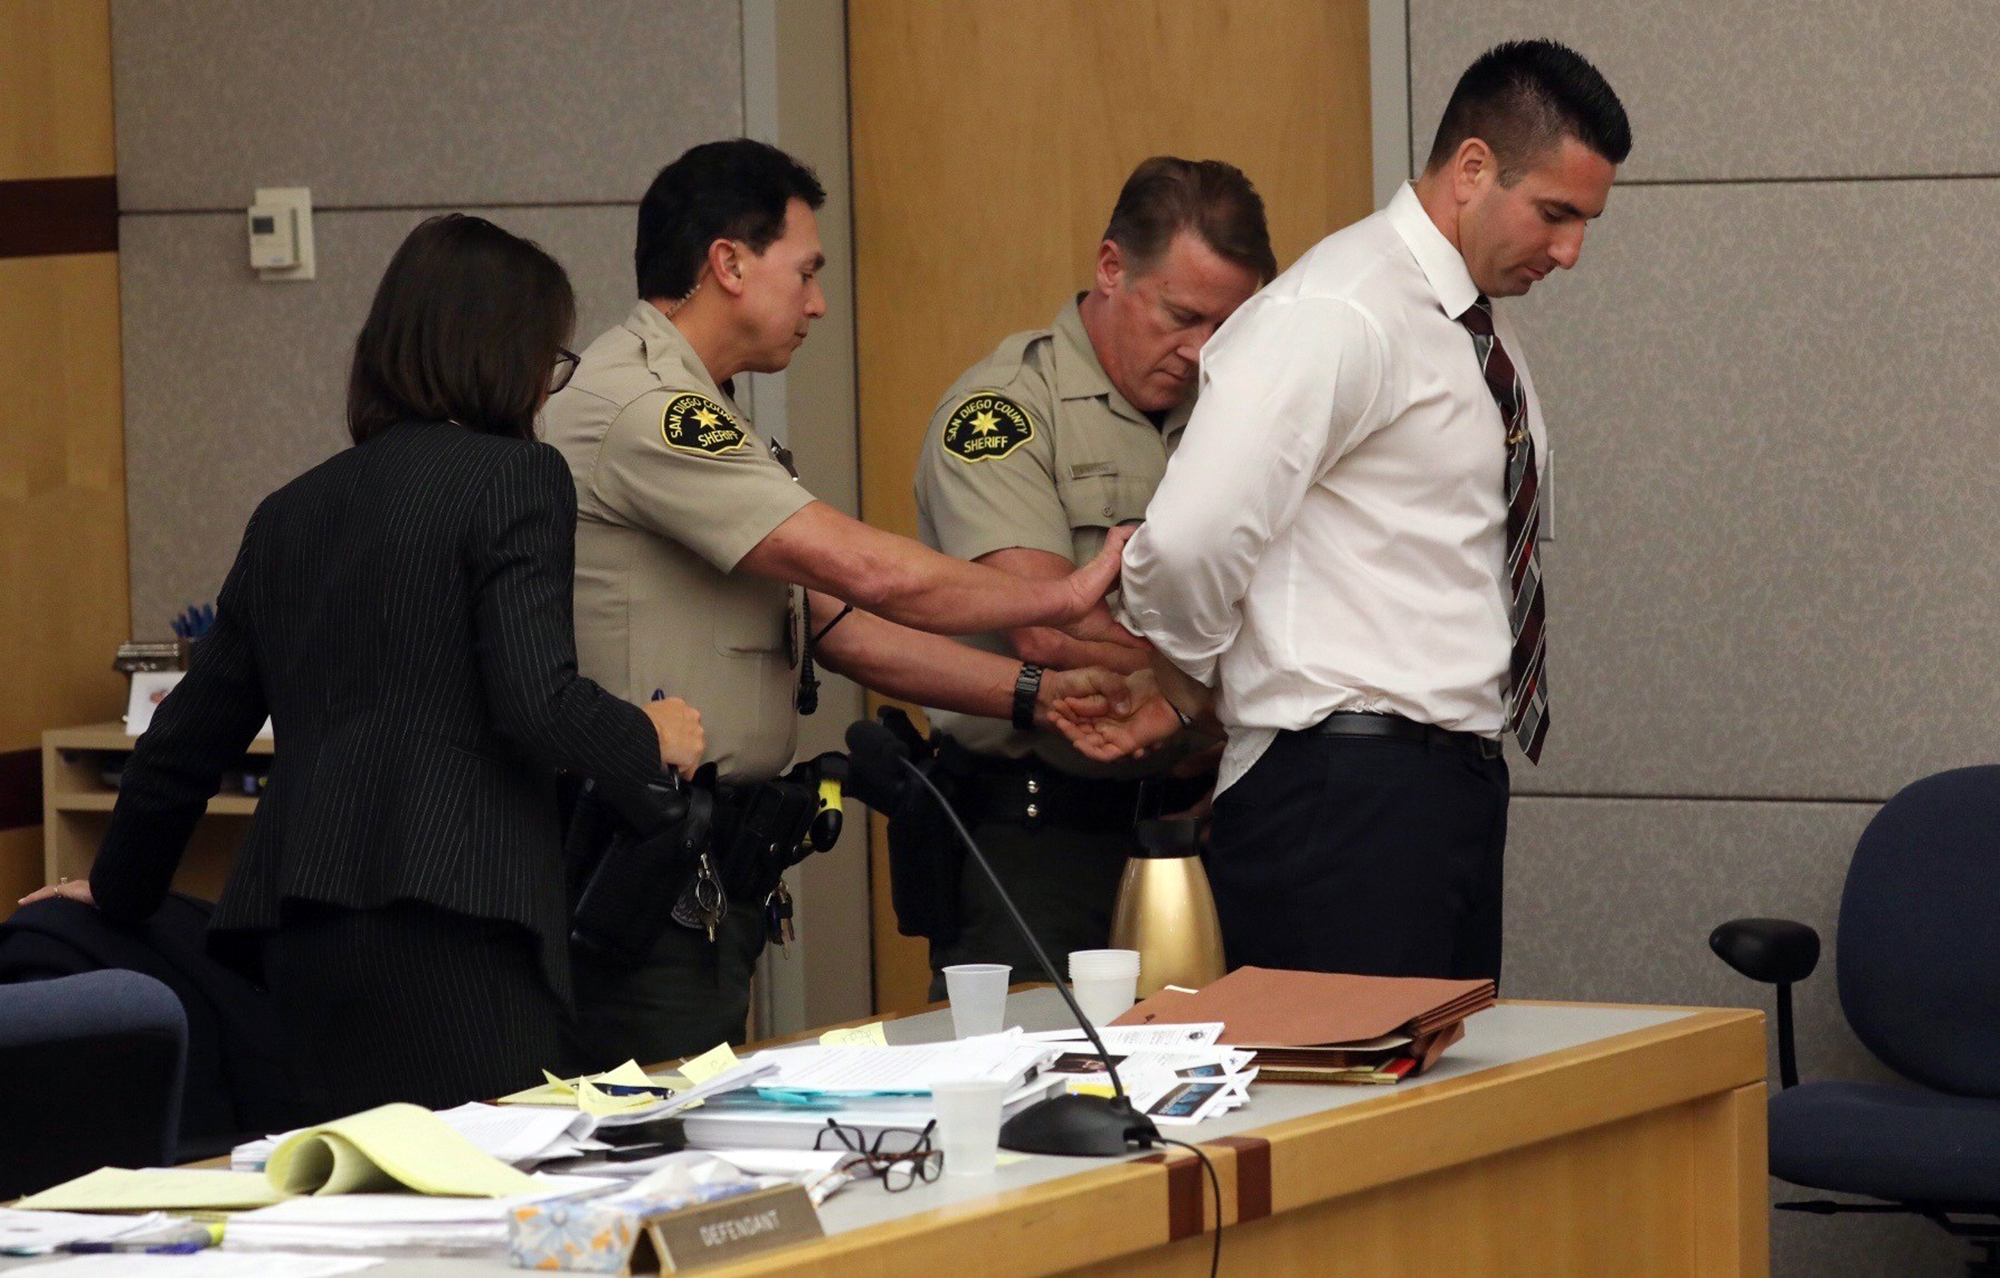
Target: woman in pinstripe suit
{"x":402,"y":614}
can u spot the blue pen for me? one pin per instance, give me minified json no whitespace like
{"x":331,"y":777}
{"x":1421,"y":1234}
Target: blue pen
{"x":188,"y":1237}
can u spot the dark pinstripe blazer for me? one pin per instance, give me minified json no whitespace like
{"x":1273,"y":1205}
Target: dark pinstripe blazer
{"x":402,"y":613}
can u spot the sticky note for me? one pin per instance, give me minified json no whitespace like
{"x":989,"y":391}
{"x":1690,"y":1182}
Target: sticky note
{"x":710,"y":1063}
{"x":870,"y":1035}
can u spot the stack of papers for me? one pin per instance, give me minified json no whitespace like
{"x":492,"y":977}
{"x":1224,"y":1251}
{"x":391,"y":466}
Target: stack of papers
{"x":1326,"y":1024}
{"x":816,"y":1072}
{"x":1176,"y":1074}
{"x":205,"y":1264}
{"x":780,"y":1125}
{"x":628,"y":1095}
{"x":396,"y":1224}
{"x":37,"y":1233}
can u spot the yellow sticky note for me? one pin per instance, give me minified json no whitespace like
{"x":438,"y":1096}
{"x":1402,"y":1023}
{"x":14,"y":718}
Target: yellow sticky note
{"x":1089,"y":1087}
{"x":858,"y":1036}
{"x":157,"y":1189}
{"x":388,"y":1148}
{"x":629,"y":1074}
{"x":593,"y":1099}
{"x":714,"y":1061}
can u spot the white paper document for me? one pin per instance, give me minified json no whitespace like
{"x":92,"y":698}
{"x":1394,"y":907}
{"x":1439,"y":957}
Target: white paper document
{"x":206,"y":1264}
{"x":891,"y":1071}
{"x":394,"y":1224}
{"x":37,"y":1233}
{"x":1133,"y":1038}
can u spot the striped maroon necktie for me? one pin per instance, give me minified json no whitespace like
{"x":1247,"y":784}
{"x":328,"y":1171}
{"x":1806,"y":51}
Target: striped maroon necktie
{"x":1527,"y":685}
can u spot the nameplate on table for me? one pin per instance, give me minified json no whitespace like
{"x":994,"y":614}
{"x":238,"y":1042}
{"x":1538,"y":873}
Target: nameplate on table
{"x":719,"y":1232}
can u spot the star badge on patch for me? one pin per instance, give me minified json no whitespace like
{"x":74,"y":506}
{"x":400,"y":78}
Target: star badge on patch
{"x":697,"y":424}
{"x":985,"y":426}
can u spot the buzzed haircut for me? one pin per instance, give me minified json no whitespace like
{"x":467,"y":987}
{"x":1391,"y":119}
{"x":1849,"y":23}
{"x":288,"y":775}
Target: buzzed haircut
{"x":1522,"y":99}
{"x":738,"y":189}
{"x":1167,"y":195}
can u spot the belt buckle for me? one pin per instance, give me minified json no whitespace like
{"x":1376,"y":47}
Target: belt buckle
{"x":1491,"y":748}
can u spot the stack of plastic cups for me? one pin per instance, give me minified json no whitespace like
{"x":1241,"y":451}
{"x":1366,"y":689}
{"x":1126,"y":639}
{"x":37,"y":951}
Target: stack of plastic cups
{"x":1105,"y":982}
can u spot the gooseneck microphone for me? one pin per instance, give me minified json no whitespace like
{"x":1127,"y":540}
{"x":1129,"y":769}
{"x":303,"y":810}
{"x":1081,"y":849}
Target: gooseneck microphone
{"x":1066,"y":1124}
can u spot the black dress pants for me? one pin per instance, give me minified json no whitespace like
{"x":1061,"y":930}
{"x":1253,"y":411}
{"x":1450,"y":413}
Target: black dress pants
{"x":411,"y":1003}
{"x":1362,"y":854}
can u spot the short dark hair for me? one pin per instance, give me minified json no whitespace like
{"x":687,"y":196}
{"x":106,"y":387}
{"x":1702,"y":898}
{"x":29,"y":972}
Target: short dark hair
{"x":1522,"y":99}
{"x":1167,"y":195}
{"x":466,"y":326}
{"x":733,"y":190}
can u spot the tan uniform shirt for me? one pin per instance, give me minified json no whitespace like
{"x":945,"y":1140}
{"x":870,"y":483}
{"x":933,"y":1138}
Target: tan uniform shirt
{"x":672,"y":491}
{"x":1034,"y":447}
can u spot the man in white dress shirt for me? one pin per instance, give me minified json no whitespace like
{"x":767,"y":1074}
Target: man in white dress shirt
{"x":1340,"y":567}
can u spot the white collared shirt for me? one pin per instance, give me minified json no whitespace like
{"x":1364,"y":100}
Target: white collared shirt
{"x":1329,"y":534}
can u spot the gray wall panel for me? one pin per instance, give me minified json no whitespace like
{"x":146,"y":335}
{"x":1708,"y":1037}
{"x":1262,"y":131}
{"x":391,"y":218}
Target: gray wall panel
{"x":1721,"y":90}
{"x":416,"y":102}
{"x":234,"y":385}
{"x":1773,"y":415}
{"x":1614,"y":900}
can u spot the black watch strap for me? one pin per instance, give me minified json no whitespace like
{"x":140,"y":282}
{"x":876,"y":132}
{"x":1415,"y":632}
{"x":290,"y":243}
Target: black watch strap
{"x":1027,"y":687}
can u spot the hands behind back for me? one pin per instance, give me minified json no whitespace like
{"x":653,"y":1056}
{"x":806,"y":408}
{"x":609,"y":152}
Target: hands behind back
{"x":1102,"y":728}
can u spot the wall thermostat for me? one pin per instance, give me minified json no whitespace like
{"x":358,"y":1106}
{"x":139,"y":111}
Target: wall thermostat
{"x":274,"y":237}
{"x":279,"y":221}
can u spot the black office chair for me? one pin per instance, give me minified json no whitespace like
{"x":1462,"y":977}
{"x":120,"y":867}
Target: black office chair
{"x":90,"y":1076}
{"x":1918,"y":963}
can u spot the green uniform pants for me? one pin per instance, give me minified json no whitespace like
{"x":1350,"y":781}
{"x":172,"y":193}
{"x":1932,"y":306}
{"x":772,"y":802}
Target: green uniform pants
{"x":1064,"y":881}
{"x":687,"y":997}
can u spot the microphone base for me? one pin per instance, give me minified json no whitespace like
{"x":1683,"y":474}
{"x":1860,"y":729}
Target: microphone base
{"x":1087,"y":1125}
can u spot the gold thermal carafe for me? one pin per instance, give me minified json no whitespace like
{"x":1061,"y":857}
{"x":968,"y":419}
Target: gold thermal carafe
{"x":1166,"y":911}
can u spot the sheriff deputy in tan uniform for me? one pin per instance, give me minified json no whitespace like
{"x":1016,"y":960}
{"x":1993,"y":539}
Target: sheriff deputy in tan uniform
{"x":693,"y":540}
{"x":1057,"y":437}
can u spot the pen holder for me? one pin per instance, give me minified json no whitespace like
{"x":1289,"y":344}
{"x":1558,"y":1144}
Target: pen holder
{"x":1166,"y":911}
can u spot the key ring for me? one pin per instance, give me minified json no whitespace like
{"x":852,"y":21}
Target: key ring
{"x":707,"y":889}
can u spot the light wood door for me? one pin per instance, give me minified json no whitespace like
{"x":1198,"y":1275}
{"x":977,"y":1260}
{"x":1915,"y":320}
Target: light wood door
{"x":62,"y":470}
{"x":990,"y":138}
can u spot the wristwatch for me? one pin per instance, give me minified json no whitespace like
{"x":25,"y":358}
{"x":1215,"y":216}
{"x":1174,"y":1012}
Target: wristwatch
{"x":1027,"y":687}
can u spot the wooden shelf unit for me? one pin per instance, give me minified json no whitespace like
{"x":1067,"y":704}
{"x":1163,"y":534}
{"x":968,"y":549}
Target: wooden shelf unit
{"x":77,"y":804}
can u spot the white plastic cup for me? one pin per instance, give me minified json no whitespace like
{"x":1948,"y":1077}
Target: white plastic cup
{"x":968,"y":1124}
{"x":978,"y":993}
{"x":1105,"y":982}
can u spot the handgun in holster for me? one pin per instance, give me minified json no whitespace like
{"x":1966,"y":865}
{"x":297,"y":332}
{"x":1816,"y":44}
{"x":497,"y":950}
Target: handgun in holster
{"x":630,"y":852}
{"x":926,"y":860}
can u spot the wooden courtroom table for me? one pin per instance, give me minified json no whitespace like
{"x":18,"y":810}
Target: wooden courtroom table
{"x":1555,"y":1139}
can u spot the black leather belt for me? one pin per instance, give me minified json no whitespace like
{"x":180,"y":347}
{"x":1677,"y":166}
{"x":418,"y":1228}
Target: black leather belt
{"x":1360,"y":723}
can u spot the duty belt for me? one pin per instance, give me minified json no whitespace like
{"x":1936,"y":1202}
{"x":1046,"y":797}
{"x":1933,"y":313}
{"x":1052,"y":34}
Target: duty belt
{"x":1030,"y":792}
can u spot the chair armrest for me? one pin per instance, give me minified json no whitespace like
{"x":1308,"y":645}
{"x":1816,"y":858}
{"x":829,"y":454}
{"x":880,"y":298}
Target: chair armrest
{"x":1774,"y":951}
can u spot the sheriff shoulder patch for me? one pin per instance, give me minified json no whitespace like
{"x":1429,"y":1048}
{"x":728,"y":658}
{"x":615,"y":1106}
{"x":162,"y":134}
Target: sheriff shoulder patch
{"x":986,"y":425}
{"x":697,"y":424}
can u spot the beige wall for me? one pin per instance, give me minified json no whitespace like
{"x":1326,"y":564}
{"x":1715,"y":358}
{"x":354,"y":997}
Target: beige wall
{"x":1770,"y":408}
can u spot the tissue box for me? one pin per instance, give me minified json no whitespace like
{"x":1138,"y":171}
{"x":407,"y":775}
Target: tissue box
{"x":659,"y":1233}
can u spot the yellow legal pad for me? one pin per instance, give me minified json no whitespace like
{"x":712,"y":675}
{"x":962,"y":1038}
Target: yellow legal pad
{"x":389,"y":1148}
{"x":158,"y":1189}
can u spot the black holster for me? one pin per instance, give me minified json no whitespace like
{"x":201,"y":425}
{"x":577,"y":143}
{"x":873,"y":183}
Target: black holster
{"x":627,"y":860}
{"x":926,"y":858}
